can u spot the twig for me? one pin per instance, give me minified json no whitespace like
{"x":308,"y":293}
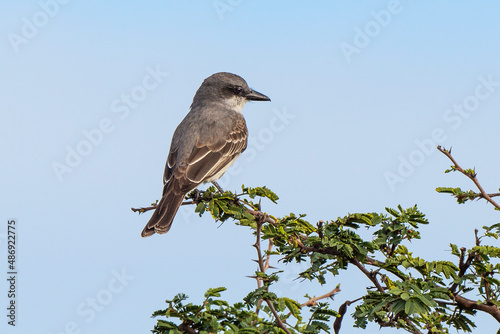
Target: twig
{"x":368,"y":274}
{"x":257,"y":246}
{"x":381,"y":264}
{"x":471,"y":176}
{"x":314,"y":301}
{"x":268,"y":257}
{"x":411,"y":324}
{"x":142,"y":210}
{"x":198,"y":195}
{"x":153,"y":207}
{"x":266,"y":266}
{"x":463,"y":266}
{"x":261,"y":216}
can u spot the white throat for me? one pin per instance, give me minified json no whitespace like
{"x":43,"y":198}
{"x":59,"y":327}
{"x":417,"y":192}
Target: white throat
{"x":236,"y":103}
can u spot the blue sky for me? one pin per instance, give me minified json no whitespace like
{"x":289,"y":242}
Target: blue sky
{"x":346,"y":131}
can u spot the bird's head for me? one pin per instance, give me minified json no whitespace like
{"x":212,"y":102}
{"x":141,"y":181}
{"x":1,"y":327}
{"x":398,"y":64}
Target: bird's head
{"x":227,"y":88}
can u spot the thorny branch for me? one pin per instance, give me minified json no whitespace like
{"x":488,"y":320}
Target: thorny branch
{"x":262,"y":268}
{"x":471,"y":176}
{"x":153,"y":207}
{"x":465,"y":262}
{"x":462,"y":302}
{"x":369,"y":274}
{"x":314,"y":300}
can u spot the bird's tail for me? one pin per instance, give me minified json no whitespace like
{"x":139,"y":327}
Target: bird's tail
{"x":162,"y":218}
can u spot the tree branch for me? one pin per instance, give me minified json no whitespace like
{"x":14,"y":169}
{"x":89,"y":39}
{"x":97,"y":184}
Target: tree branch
{"x":493,"y":310}
{"x":266,"y":266}
{"x":186,"y":327}
{"x":463,"y":302}
{"x":262,"y":268}
{"x":261,"y":216}
{"x":471,"y":176}
{"x":142,"y":210}
{"x":463,"y":266}
{"x":314,"y":301}
{"x":368,"y":274}
{"x":361,"y":267}
{"x":268,"y":256}
{"x":372,"y":277}
{"x":153,"y":207}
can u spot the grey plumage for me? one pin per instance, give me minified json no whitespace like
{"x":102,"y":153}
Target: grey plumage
{"x":207,"y":141}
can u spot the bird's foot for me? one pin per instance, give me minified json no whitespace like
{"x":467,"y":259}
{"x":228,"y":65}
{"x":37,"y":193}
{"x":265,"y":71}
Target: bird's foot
{"x":197,"y":196}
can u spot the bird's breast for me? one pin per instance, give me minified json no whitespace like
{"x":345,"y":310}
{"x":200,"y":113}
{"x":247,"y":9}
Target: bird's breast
{"x":219,"y":174}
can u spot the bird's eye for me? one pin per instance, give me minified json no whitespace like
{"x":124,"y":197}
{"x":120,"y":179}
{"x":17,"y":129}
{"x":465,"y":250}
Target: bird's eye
{"x":238,"y":90}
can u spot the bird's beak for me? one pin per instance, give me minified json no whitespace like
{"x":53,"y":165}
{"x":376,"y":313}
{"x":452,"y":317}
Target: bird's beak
{"x":256,"y":96}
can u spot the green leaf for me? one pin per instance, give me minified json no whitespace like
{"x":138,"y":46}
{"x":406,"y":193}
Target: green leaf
{"x":426,"y":300}
{"x":200,"y":208}
{"x":293,"y":307}
{"x":409,"y":306}
{"x":214,"y":292}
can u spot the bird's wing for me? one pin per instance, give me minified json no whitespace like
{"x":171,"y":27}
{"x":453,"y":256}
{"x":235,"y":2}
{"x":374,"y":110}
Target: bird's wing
{"x":171,"y":161}
{"x":205,"y":161}
{"x":208,"y":159}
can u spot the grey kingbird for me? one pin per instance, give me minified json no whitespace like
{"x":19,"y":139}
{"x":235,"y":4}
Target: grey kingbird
{"x":205,"y":144}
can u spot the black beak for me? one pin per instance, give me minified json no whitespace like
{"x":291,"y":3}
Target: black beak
{"x":256,"y":96}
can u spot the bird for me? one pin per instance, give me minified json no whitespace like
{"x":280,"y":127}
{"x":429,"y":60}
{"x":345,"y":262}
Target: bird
{"x":205,"y":144}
